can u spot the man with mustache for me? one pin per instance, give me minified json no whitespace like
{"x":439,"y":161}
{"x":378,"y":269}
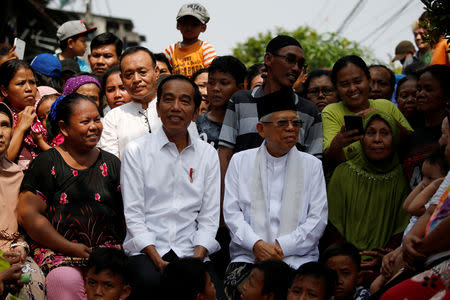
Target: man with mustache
{"x":275,"y":202}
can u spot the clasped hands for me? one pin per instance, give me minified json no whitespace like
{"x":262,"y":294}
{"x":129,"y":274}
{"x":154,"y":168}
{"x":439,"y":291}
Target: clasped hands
{"x":266,"y":251}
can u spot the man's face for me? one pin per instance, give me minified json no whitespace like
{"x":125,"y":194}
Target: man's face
{"x":380,"y":87}
{"x":285,"y":66}
{"x":103,"y":58}
{"x":139,"y":76}
{"x":280,"y":132}
{"x":176,"y":107}
{"x":105,"y":286}
{"x":5,"y":132}
{"x":419,"y":33}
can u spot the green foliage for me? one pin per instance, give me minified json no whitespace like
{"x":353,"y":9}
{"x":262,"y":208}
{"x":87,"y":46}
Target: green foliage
{"x":321,"y":50}
{"x":437,"y":18}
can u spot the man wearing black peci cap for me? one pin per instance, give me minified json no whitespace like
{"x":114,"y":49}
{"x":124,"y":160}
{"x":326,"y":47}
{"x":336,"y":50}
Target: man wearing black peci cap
{"x":275,"y":203}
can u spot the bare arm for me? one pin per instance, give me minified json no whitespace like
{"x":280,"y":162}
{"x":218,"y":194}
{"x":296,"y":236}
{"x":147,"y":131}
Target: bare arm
{"x":151,"y":252}
{"x":224,"y":159}
{"x":25,"y":120}
{"x":415,"y":203}
{"x":30,"y":211}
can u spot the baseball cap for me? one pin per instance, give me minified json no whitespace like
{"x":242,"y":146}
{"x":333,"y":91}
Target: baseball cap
{"x":47,"y":64}
{"x":403,"y":48}
{"x":71,"y":28}
{"x":196,"y":10}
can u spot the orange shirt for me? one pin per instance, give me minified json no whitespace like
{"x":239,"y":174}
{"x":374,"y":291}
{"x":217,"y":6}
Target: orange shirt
{"x":188,"y":60}
{"x":440,"y":55}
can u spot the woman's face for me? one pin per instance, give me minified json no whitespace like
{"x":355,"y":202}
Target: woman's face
{"x":377,"y":140}
{"x":90,"y":90}
{"x":21,"y":90}
{"x":430,"y":96}
{"x":321,"y":91}
{"x":406,"y":98}
{"x":115,"y":92}
{"x":353,"y":87}
{"x":5,"y":132}
{"x":84,"y":128}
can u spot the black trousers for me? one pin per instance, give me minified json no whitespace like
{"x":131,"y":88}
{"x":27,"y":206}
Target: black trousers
{"x":146,"y":279}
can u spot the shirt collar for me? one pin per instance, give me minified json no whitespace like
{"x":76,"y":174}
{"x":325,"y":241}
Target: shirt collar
{"x":162,"y":139}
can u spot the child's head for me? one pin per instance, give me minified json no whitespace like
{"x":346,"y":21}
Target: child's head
{"x":72,"y":37}
{"x":254,"y":76}
{"x":345,"y":260}
{"x":191,"y":20}
{"x":268,"y":278}
{"x":434,"y":166}
{"x":187,"y":278}
{"x":107,"y":276}
{"x":226,"y":75}
{"x":312,"y":281}
{"x":43,"y":107}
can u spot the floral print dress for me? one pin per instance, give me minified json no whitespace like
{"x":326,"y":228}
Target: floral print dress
{"x":85,"y":206}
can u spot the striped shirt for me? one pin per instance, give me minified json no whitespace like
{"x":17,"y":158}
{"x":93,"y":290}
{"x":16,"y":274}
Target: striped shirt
{"x":239,"y":126}
{"x":188,"y":60}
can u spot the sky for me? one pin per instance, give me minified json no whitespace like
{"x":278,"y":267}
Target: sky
{"x":377,"y":24}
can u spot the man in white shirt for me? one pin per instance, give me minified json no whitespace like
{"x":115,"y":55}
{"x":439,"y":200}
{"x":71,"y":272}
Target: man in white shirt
{"x":275,"y":201}
{"x":133,"y":119}
{"x":171,"y":189}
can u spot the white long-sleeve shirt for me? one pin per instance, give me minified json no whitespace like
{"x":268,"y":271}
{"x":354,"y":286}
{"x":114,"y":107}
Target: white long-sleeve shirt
{"x":299,"y":246}
{"x":128,"y":122}
{"x":171,"y":199}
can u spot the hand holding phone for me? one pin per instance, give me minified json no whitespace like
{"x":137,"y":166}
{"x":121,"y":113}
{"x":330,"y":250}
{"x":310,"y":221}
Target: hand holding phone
{"x":20,"y":48}
{"x":354,"y":122}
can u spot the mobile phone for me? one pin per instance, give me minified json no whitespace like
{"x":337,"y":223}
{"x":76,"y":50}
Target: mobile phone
{"x":354,"y":122}
{"x":20,"y":47}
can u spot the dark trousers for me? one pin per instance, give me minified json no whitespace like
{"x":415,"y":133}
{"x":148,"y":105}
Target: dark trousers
{"x":146,"y":279}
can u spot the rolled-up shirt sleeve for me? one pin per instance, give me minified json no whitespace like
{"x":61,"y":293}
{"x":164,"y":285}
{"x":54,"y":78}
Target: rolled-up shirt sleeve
{"x":306,"y":236}
{"x":233,"y":213}
{"x":132,"y":185}
{"x":209,"y":214}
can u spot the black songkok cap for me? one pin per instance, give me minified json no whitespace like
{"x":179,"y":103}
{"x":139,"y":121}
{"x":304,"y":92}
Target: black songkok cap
{"x":277,"y":101}
{"x":281,"y":41}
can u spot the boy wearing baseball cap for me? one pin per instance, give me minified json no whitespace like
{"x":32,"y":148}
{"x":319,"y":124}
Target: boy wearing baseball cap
{"x":72,"y":37}
{"x":191,"y":54}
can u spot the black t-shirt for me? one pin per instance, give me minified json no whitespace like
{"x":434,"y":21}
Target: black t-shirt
{"x":82,"y":205}
{"x":208,"y":130}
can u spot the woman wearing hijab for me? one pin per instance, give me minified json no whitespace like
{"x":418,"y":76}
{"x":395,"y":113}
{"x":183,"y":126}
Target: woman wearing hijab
{"x":366,"y":193}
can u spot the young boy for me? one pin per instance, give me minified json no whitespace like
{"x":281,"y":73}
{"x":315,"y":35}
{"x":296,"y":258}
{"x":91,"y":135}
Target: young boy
{"x":191,"y":54}
{"x":72,"y":37}
{"x":107,"y":275}
{"x":269,"y":279}
{"x":226,"y":76}
{"x":345,"y":260}
{"x":312,"y":281}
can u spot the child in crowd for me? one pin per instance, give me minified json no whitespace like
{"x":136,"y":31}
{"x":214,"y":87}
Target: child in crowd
{"x":200,"y":77}
{"x":269,"y":279}
{"x":43,"y":107}
{"x":191,"y":54}
{"x":312,"y":281}
{"x":187,"y":278}
{"x":72,"y":37}
{"x":107,"y":275}
{"x":226,"y":75}
{"x":345,"y":260}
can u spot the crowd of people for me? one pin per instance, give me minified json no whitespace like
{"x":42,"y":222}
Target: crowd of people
{"x":186,"y":175}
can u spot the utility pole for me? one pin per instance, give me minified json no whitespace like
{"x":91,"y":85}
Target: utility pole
{"x":88,"y":15}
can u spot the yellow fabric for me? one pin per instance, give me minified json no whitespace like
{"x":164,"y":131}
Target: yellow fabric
{"x":333,"y":119}
{"x":440,"y":55}
{"x":188,"y":60}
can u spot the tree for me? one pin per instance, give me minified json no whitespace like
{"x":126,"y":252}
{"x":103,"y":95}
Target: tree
{"x":437,"y":18}
{"x":321,"y":50}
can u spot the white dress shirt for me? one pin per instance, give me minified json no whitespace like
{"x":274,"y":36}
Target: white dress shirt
{"x":299,"y":246}
{"x":171,"y":199}
{"x":128,"y":122}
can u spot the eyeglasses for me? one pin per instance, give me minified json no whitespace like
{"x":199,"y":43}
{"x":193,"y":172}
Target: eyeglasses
{"x":285,"y":123}
{"x":292,"y":60}
{"x":326,"y":91}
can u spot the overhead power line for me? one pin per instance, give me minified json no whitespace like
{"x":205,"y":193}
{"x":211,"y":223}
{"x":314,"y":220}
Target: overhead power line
{"x":350,"y":16}
{"x":385,"y":25}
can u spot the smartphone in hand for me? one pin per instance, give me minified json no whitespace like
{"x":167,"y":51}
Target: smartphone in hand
{"x":20,"y":47}
{"x":354,"y":122}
